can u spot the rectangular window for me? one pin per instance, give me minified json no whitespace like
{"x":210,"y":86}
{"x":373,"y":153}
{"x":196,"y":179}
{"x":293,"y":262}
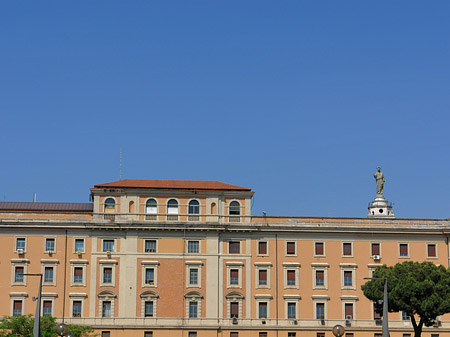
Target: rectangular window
{"x":234,"y":276}
{"x":320,"y":334}
{"x":409,"y":335}
{"x":106,"y":309}
{"x":18,"y":274}
{"x":262,"y":334}
{"x":347,"y":249}
{"x":193,"y":276}
{"x":50,"y":245}
{"x":434,"y":335}
{"x":291,"y":310}
{"x":48,"y":274}
{"x":150,"y":246}
{"x":349,"y":334}
{"x":107,"y":275}
{"x":150,"y":276}
{"x":320,"y":278}
{"x":234,"y":247}
{"x":290,"y":248}
{"x":193,"y":247}
{"x":290,"y":277}
{"x":192,"y":334}
{"x":234,"y":334}
{"x":78,"y":275}
{"x":405,"y":316}
{"x":17,"y":308}
{"x":377,"y":335}
{"x":348,"y":310}
{"x":262,"y":248}
{"x":403,"y":249}
{"x":375,"y":249}
{"x":148,"y":309}
{"x":20,"y":243}
{"x":319,"y":249}
{"x":148,"y":333}
{"x":234,"y":309}
{"x":292,"y":334}
{"x":431,"y":250}
{"x":76,"y":309}
{"x":348,"y":278}
{"x":193,"y":306}
{"x":108,"y":245}
{"x":47,"y":308}
{"x":320,"y":310}
{"x":262,"y":309}
{"x":376,"y":315}
{"x":79,"y":245}
{"x":106,"y":334}
{"x":262,"y":277}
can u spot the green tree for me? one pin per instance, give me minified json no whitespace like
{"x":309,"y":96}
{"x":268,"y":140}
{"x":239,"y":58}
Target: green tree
{"x":22,"y":326}
{"x":421,"y":290}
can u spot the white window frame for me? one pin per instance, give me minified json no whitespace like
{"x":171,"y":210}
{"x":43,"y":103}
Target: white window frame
{"x":48,"y":297}
{"x":228,"y":247}
{"x":49,"y":264}
{"x":234,"y":265}
{"x":349,"y":300}
{"x":194,"y":265}
{"x":407,"y":247}
{"x":234,"y":297}
{"x":267,"y":247}
{"x":150,"y":264}
{"x":150,"y":239}
{"x":292,"y":299}
{"x":106,"y":296}
{"x":149,"y":296}
{"x":286,"y":245}
{"x":263,"y":298}
{"x":370,"y":247}
{"x":199,"y":246}
{"x":262,"y":266}
{"x":320,"y":267}
{"x":321,"y":299}
{"x":15,"y":243}
{"x":351,"y":247}
{"x":19,"y":263}
{"x":291,"y":266}
{"x":324,"y":248}
{"x":84,"y":244}
{"x":17,"y":296}
{"x":348,"y":267}
{"x":77,"y":297}
{"x":78,"y":263}
{"x":193,"y":296}
{"x":114,"y":245}
{"x":435,"y":247}
{"x":45,"y":244}
{"x":108,"y":264}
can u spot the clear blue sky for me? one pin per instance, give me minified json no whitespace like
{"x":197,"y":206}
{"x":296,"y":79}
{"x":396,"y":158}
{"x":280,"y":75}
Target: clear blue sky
{"x":299,"y":100}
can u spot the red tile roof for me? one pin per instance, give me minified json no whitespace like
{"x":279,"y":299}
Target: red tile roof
{"x":46,"y":206}
{"x":173,"y":185}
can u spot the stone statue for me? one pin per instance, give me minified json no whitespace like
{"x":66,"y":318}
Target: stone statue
{"x":379,"y":177}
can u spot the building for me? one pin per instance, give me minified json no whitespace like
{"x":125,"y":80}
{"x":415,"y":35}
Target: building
{"x":157,"y":258}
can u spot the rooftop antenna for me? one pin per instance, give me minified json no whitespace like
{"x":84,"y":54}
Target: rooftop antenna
{"x":120,"y":165}
{"x":34,"y":196}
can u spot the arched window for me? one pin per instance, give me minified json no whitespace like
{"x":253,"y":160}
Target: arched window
{"x":234,"y":211}
{"x":148,"y":304}
{"x":151,"y":208}
{"x":194,"y":210}
{"x":106,"y":302}
{"x":193,"y":304}
{"x":110,"y":207}
{"x":172,"y":210}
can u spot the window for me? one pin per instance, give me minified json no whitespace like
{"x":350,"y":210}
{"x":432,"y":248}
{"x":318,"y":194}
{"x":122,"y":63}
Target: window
{"x":234,"y":309}
{"x":192,"y":334}
{"x":405,"y":316}
{"x":20,"y":244}
{"x":110,"y":204}
{"x":290,"y":248}
{"x":262,"y":334}
{"x":18,"y":274}
{"x":375,"y":249}
{"x":148,"y":309}
{"x":17,"y":308}
{"x":262,"y":273}
{"x":319,"y":249}
{"x":193,"y":210}
{"x":434,"y":335}
{"x":193,"y":306}
{"x":50,"y":245}
{"x":76,"y":309}
{"x":262,"y":248}
{"x":347,"y":249}
{"x":106,"y":334}
{"x":320,"y":310}
{"x":47,"y":308}
{"x":79,"y":245}
{"x":48,"y":275}
{"x":172,"y":210}
{"x":148,"y":333}
{"x":108,"y":245}
{"x":403,"y":247}
{"x":262,"y":309}
{"x":234,"y":211}
{"x":376,"y":315}
{"x":150,"y":246}
{"x":349,"y":334}
{"x":193,"y":247}
{"x":150,"y":276}
{"x":348,"y":278}
{"x":234,"y":247}
{"x":320,"y":278}
{"x":431,"y":250}
{"x":234,"y":334}
{"x":106,"y":309}
{"x":151,"y":209}
{"x":291,"y":310}
{"x":348,"y":307}
{"x":107,"y":275}
{"x":292,"y":334}
{"x":409,"y":335}
{"x":234,"y":276}
{"x":193,"y":276}
{"x":377,"y":335}
{"x":320,"y":334}
{"x":78,"y":275}
{"x":290,"y":277}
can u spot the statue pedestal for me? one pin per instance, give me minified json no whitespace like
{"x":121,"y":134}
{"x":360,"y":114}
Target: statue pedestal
{"x":380,"y":208}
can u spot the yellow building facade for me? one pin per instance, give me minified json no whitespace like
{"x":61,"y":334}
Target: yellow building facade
{"x":153,"y":258}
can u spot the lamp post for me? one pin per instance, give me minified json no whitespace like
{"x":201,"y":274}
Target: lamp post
{"x":37,"y":315}
{"x":63,"y":330}
{"x":338,"y":330}
{"x":385,"y":304}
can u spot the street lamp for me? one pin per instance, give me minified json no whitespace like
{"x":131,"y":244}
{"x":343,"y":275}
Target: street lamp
{"x":63,"y":330}
{"x":338,"y":330}
{"x":385,"y":304}
{"x":37,"y":315}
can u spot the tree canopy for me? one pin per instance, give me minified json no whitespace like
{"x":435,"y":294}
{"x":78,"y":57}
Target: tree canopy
{"x":419,"y":289}
{"x":22,"y":326}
